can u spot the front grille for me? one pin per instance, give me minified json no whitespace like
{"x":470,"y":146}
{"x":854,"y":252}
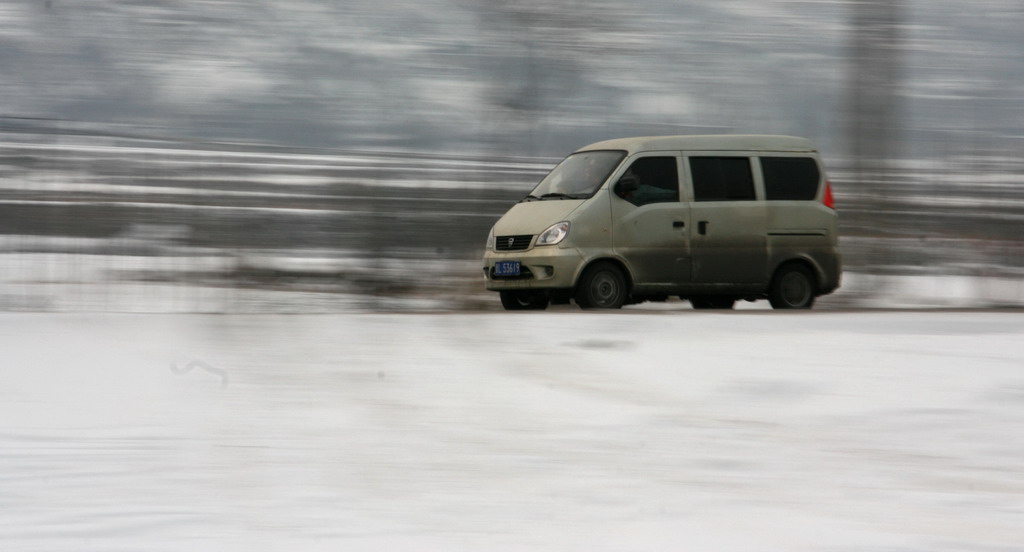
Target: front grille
{"x":512,"y":243}
{"x":524,"y":274}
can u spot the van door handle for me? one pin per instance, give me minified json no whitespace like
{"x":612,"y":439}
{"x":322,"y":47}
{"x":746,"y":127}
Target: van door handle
{"x":678,"y":224}
{"x":702,"y":227}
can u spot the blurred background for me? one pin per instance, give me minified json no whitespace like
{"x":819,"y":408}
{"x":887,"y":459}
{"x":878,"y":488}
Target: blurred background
{"x":318,"y":156}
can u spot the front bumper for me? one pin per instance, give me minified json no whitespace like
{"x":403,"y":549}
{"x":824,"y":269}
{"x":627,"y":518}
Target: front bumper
{"x":544,"y":267}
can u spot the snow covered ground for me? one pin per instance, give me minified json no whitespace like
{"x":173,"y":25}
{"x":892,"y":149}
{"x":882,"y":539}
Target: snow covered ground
{"x":634,"y":430}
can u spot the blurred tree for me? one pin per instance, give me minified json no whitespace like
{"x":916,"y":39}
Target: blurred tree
{"x":535,"y":62}
{"x":875,"y":80}
{"x":873,"y":114}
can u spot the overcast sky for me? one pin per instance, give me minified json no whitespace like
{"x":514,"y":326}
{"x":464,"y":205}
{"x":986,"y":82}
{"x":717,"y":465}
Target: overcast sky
{"x":532,"y":77}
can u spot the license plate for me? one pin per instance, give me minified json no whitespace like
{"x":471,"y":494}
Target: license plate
{"x":506,"y":268}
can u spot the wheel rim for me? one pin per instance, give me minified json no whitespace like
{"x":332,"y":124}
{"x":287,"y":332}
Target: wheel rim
{"x":796,"y":290}
{"x":527,"y":300}
{"x":604,"y":289}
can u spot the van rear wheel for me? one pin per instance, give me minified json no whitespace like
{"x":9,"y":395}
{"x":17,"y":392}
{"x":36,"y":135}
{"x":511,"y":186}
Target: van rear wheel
{"x":792,"y":288}
{"x":524,"y":300}
{"x":602,"y":286}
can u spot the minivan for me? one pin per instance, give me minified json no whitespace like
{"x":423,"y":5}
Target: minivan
{"x":710,"y":219}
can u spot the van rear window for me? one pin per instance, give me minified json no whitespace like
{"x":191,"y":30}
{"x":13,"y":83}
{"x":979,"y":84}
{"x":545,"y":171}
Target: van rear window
{"x":790,"y":178}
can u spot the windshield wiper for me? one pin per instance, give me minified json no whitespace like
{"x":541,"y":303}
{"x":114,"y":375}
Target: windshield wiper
{"x":560,"y":195}
{"x":529,"y":197}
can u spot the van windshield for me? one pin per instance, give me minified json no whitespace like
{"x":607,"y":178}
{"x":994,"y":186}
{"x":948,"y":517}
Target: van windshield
{"x":578,"y":176}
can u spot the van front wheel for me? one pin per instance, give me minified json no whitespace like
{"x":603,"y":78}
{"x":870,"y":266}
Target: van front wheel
{"x":524,"y":300}
{"x":602,"y":286}
{"x":792,"y":288}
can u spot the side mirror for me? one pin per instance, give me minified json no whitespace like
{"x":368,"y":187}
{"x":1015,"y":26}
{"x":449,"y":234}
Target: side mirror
{"x":626,"y":186}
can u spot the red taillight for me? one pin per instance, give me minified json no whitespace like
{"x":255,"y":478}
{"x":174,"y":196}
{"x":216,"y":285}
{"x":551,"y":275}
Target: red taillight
{"x":830,"y":202}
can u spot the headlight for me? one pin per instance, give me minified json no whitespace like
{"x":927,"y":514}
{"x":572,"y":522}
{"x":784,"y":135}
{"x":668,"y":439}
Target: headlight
{"x":554,"y":234}
{"x":490,"y":240}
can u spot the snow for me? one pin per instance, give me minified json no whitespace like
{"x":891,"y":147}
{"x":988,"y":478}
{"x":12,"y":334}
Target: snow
{"x":634,"y":430}
{"x":929,"y":291}
{"x":164,"y":277}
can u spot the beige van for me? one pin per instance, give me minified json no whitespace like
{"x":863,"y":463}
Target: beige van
{"x":711,"y":219}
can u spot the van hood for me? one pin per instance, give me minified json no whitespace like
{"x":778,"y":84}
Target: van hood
{"x":534,"y":217}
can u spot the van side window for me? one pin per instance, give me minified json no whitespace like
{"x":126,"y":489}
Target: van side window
{"x":650,"y":180}
{"x":722,"y":179}
{"x":790,"y":178}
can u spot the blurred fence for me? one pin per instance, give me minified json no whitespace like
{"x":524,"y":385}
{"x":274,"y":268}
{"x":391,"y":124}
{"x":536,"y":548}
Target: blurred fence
{"x":113,"y":224}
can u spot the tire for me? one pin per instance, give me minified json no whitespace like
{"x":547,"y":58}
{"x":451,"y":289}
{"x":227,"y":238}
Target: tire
{"x":793,"y":287}
{"x":523,"y":300}
{"x":602,"y":286}
{"x":712,"y":302}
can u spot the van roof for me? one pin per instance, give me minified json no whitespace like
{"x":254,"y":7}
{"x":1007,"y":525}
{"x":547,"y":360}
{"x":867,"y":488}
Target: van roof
{"x":707,"y":142}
